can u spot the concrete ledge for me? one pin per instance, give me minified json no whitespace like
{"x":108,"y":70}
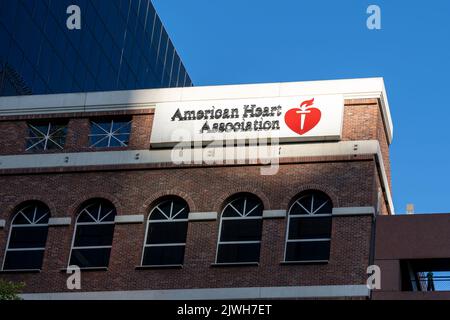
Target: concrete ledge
{"x":353,"y":211}
{"x":2,"y":223}
{"x":211,"y":293}
{"x":66,"y":221}
{"x":219,"y":156}
{"x":137,"y":218}
{"x":270,"y":214}
{"x":202,"y":216}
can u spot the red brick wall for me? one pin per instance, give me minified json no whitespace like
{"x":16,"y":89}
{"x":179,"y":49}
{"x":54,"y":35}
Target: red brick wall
{"x":12,"y":137}
{"x":363,"y":120}
{"x":348,"y":183}
{"x":13,"y":131}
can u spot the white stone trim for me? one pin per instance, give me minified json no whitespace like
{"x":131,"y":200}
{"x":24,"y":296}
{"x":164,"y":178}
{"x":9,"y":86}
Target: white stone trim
{"x":2,"y":223}
{"x":319,"y":149}
{"x":353,"y":211}
{"x":267,"y":214}
{"x":343,"y":211}
{"x":336,"y":291}
{"x":64,"y":221}
{"x":123,"y":219}
{"x":202,"y":216}
{"x":148,"y":98}
{"x":384,"y":180}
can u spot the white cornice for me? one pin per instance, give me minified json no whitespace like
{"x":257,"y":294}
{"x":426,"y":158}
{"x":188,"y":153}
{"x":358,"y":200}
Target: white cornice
{"x":127,"y":219}
{"x":202,"y":216}
{"x":332,"y":291}
{"x":353,"y":211}
{"x":148,"y":98}
{"x":60,"y":221}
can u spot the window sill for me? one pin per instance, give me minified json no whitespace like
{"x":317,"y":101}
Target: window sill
{"x":304,"y":262}
{"x":107,"y":148}
{"x":235,"y":264}
{"x":53,"y":151}
{"x":167,"y":266}
{"x":21,"y":271}
{"x":88,"y":269}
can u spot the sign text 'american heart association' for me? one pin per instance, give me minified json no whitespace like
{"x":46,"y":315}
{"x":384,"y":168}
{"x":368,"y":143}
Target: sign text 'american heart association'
{"x":286,"y":118}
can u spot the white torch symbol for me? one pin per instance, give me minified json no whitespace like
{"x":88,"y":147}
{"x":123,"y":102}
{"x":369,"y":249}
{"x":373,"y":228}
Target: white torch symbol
{"x":304,"y":111}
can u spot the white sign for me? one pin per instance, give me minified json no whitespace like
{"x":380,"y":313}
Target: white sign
{"x":288,"y":119}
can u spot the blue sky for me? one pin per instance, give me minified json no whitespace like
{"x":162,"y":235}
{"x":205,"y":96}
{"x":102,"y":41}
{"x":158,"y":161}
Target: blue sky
{"x":250,"y":41}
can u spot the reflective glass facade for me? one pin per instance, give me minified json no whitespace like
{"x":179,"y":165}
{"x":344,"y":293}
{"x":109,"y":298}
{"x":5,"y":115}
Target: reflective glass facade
{"x":121,"y":45}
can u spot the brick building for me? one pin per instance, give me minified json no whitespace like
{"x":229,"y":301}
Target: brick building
{"x":90,"y":180}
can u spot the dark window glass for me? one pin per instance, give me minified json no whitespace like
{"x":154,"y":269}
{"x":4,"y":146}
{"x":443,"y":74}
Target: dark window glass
{"x":244,"y":206}
{"x":163,"y":255}
{"x":56,"y":74}
{"x":94,"y":229}
{"x":241,"y":230}
{"x":23,"y":260}
{"x":90,"y":258}
{"x":241,"y":223}
{"x":167,"y":232}
{"x":21,"y":219}
{"x":28,"y":237}
{"x":38,"y":84}
{"x":232,"y":253}
{"x":312,"y":203}
{"x":40,"y":13}
{"x":94,"y":235}
{"x":97,"y":211}
{"x":308,"y":251}
{"x":156,"y":34}
{"x":175,"y":70}
{"x":163,"y":210}
{"x":4,"y":39}
{"x":182,"y":76}
{"x":32,"y":213}
{"x":111,"y":133}
{"x":46,"y":136}
{"x":109,"y":33}
{"x":310,"y":228}
{"x":9,"y":12}
{"x":157,"y":215}
{"x":167,"y":224}
{"x":15,"y":58}
{"x":309,"y":219}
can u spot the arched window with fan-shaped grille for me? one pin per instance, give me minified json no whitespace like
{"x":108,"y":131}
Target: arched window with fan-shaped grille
{"x":27,"y":237}
{"x":93,"y":235}
{"x":166,"y":232}
{"x":309,"y":228}
{"x":240,"y":230}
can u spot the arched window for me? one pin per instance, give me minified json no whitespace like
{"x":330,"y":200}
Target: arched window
{"x":309,"y":228}
{"x":93,"y":235}
{"x":166,"y":232}
{"x":240,"y":230}
{"x":27,"y":237}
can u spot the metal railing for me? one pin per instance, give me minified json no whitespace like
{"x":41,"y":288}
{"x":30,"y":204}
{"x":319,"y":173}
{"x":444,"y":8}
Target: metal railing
{"x":433,"y":281}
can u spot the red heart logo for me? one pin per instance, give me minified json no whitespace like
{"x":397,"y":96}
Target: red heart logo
{"x":303,"y":119}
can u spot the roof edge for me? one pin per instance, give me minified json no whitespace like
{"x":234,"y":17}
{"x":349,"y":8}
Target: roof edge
{"x":147,"y":98}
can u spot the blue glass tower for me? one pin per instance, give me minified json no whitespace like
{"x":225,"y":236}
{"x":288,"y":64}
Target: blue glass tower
{"x":121,"y":45}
